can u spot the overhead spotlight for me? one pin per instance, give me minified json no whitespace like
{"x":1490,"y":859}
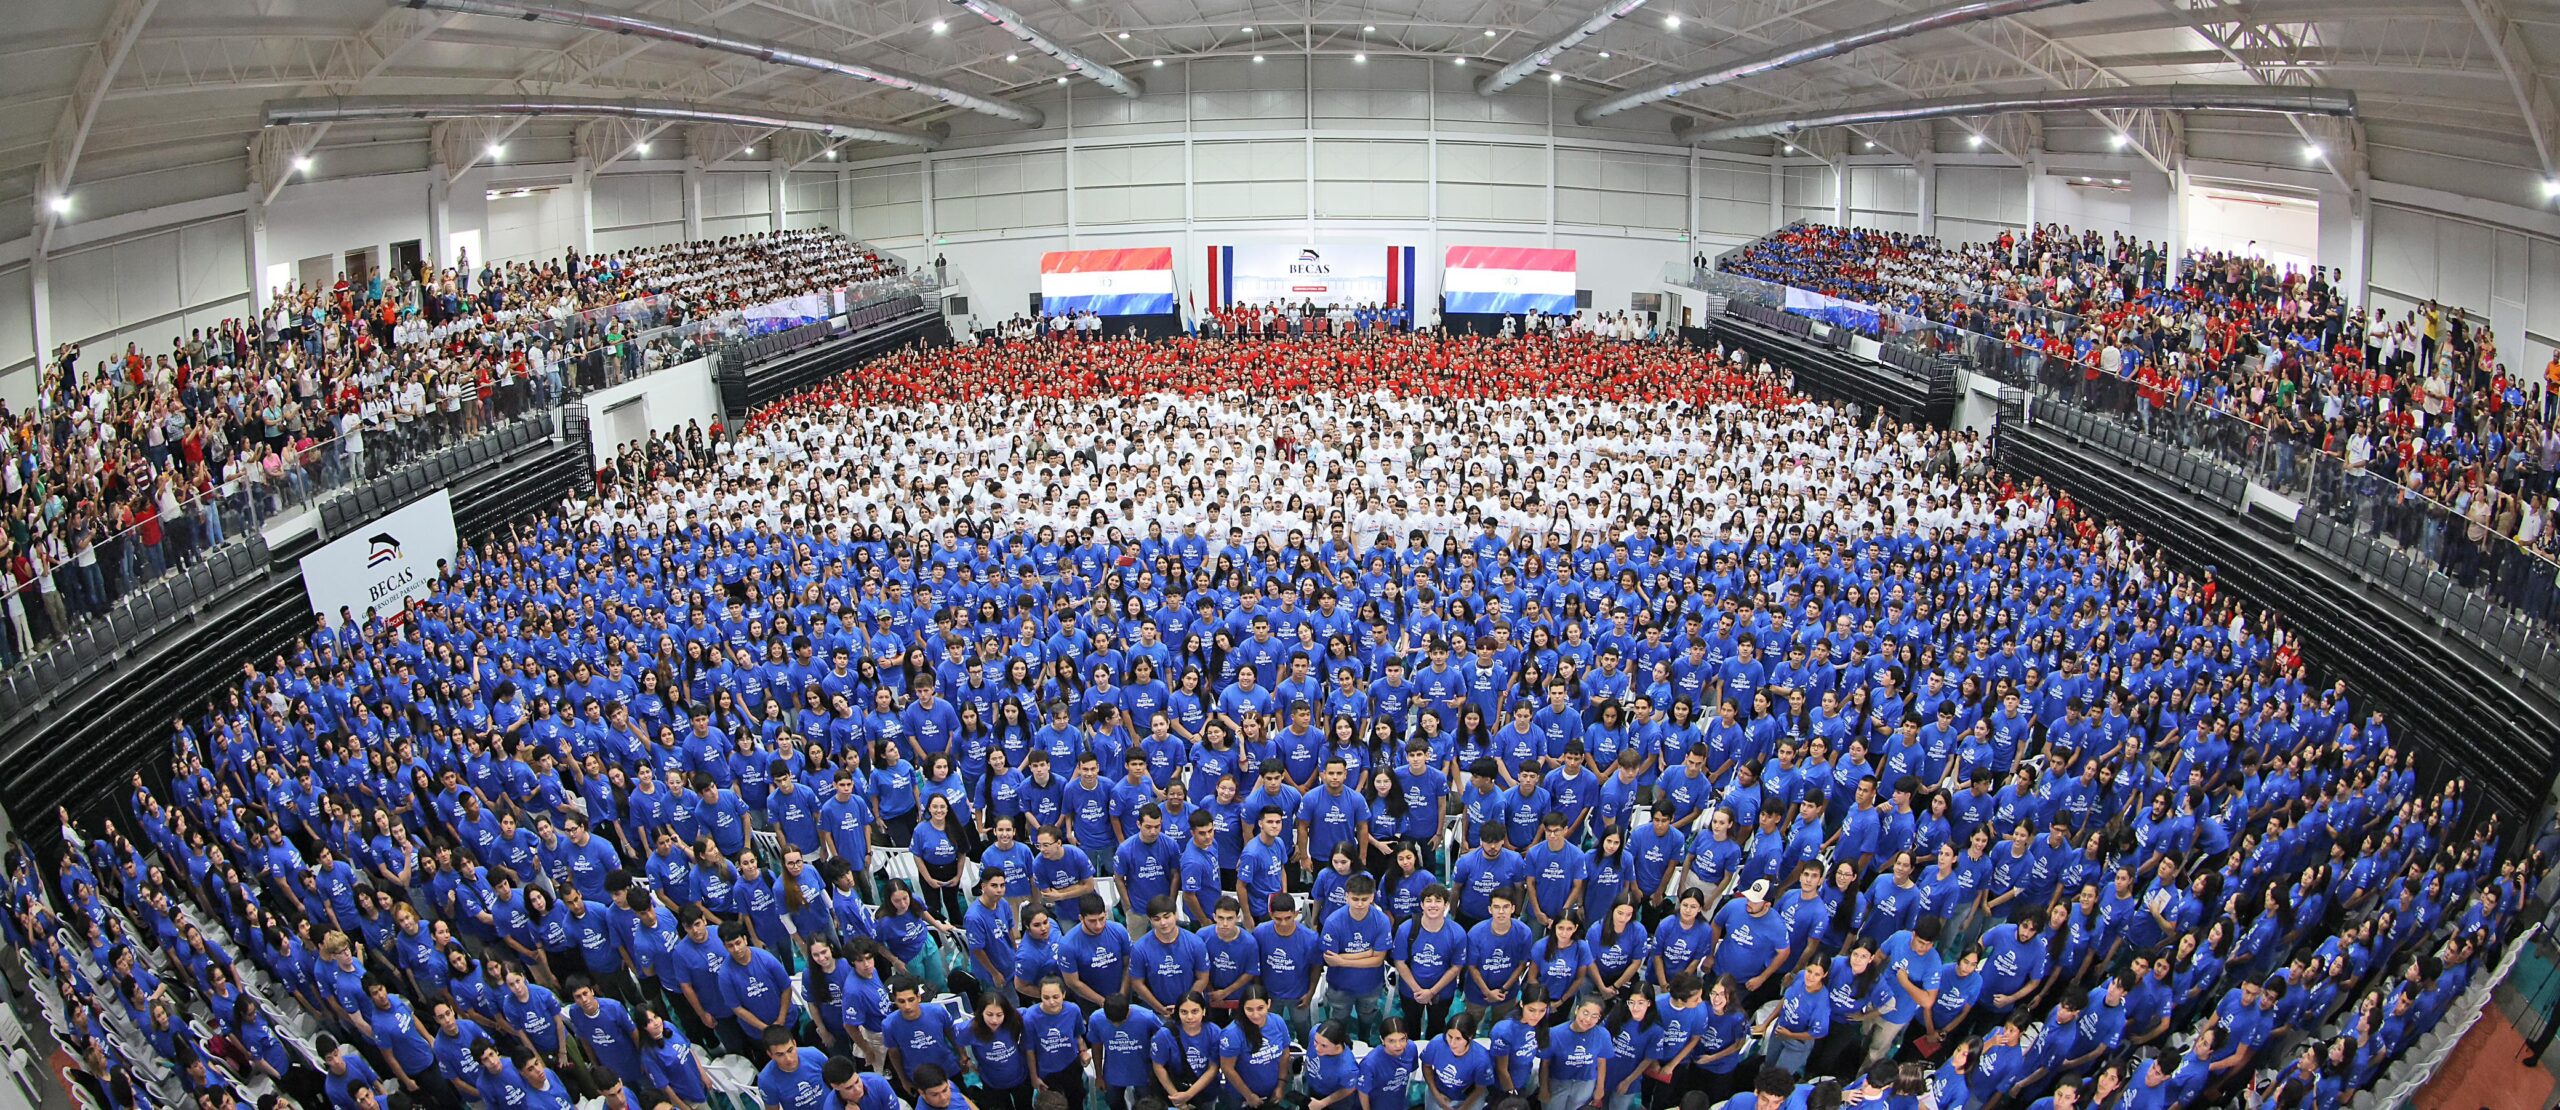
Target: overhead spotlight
{"x":831,"y":154}
{"x":1974,"y":140}
{"x":1791,"y":147}
{"x":2119,"y":181}
{"x":1461,"y":61}
{"x":749,"y":152}
{"x":1248,"y":30}
{"x":1871,"y":144}
{"x":641,"y":147}
{"x":1062,"y":80}
{"x":302,"y":165}
{"x":1555,"y":78}
{"x":62,"y":204}
{"x":1158,"y":63}
{"x":1257,"y":59}
{"x":2551,"y":188}
{"x":1488,"y":32}
{"x":1363,"y":58}
{"x":2311,"y":152}
{"x":497,"y":150}
{"x":1604,"y":53}
{"x":2118,"y":139}
{"x":1671,"y":21}
{"x":1369,"y":29}
{"x":1013,"y":57}
{"x":940,"y":26}
{"x":1124,"y":36}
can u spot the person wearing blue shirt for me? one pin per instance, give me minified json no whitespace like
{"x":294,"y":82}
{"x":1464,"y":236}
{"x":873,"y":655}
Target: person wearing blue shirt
{"x":1498,"y":953}
{"x":997,"y":1042}
{"x":1478,"y":874}
{"x":1186,"y":1056}
{"x":526,"y":1083}
{"x":1123,"y":1044}
{"x":1095,"y":954}
{"x":849,"y":1088}
{"x":1457,"y":1070}
{"x":1331,"y":816}
{"x":1802,"y":1019}
{"x":1430,"y":954}
{"x":793,"y":1078}
{"x":1254,"y":1053}
{"x":1356,"y":939}
{"x":1557,"y":869}
{"x":606,"y":1029}
{"x":1292,"y":957}
{"x":1055,"y":1030}
{"x":988,"y":927}
{"x":1911,"y":963}
{"x":1576,"y":1052}
{"x":1751,"y":942}
{"x":1168,"y":963}
{"x":918,"y":1033}
{"x":1148,"y":862}
{"x":756,"y":985}
{"x":1387,"y":1072}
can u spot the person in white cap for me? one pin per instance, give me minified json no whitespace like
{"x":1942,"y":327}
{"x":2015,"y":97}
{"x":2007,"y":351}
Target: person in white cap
{"x":1751,"y":943}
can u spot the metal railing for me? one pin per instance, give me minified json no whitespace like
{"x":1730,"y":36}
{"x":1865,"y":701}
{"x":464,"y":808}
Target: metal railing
{"x":2453,"y":532}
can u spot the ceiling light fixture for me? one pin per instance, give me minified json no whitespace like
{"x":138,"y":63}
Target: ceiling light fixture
{"x":1791,"y":147}
{"x":1974,"y":140}
{"x":1360,"y":58}
{"x":940,"y":26}
{"x":1604,"y":53}
{"x":1460,"y":61}
{"x":1248,"y":30}
{"x":2311,"y":152}
{"x":2551,"y":188}
{"x":1555,"y":78}
{"x":1013,"y":57}
{"x":2118,"y":139}
{"x":1159,"y":63}
{"x":831,"y":154}
{"x":749,"y":152}
{"x":1488,"y":32}
{"x":1124,"y":36}
{"x":1370,"y":29}
{"x":1257,"y":59}
{"x":302,"y":165}
{"x":641,"y":147}
{"x":497,"y":150}
{"x":1671,"y":21}
{"x":1062,"y":80}
{"x":524,"y":192}
{"x":62,"y":204}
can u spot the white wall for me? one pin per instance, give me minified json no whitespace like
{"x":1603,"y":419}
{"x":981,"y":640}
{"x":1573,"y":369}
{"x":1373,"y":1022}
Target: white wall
{"x":2283,"y":229}
{"x":661,"y":402}
{"x":148,"y":289}
{"x":537,"y":227}
{"x":1977,"y":203}
{"x":2509,"y":277}
{"x":334,"y":217}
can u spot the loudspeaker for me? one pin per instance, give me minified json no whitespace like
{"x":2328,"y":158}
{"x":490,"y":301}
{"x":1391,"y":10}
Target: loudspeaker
{"x":959,"y":306}
{"x":1581,"y":298}
{"x":1035,"y":304}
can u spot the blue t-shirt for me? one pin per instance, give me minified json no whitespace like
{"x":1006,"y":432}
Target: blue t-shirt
{"x":1345,"y":935}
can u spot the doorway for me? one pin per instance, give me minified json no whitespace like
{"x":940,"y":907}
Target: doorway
{"x":407,"y":256}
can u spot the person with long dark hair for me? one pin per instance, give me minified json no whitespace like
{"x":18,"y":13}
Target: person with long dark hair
{"x":1255,"y":1055}
{"x":996,"y":1045}
{"x":1187,"y":1053}
{"x":1457,"y":1071}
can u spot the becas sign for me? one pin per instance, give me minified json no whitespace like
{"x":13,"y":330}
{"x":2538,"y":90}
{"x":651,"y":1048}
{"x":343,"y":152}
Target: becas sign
{"x":383,"y":563}
{"x":1325,"y":273}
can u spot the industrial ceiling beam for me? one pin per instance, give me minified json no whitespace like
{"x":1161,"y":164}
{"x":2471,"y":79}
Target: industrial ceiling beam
{"x":1610,"y":12}
{"x":88,"y":94}
{"x":2166,"y":98}
{"x":709,"y":38}
{"x":1075,"y":60}
{"x":376,"y":108}
{"x":2533,"y":97}
{"x":1812,"y":50}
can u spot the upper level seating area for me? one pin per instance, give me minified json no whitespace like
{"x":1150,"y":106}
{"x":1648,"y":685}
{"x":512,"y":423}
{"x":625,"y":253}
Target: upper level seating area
{"x":2320,"y":394}
{"x":132,"y":462}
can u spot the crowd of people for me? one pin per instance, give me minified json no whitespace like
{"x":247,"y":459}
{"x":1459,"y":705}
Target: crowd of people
{"x":1386,"y":721}
{"x":2411,"y":426}
{"x":133,"y":462}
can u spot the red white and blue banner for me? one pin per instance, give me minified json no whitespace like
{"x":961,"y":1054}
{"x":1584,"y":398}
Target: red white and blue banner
{"x":1326,"y":274}
{"x":1133,"y":282}
{"x":1507,"y":281}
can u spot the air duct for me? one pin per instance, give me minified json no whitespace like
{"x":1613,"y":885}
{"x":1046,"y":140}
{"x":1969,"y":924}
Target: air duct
{"x":707,"y":38}
{"x":1074,"y":60}
{"x":2171,"y":98}
{"x":351,"y":109}
{"x":1796,"y":54}
{"x":1544,"y":56}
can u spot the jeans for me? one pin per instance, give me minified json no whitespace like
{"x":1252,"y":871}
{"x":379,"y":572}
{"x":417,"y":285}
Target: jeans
{"x":1570,"y":1094}
{"x":1366,"y":1014}
{"x":1789,"y":1054}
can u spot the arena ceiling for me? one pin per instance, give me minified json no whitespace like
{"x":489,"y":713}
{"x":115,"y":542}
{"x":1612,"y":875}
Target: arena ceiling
{"x":99,"y":91}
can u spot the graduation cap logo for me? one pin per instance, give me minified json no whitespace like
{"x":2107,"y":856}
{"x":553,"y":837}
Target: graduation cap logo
{"x":386,"y":547}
